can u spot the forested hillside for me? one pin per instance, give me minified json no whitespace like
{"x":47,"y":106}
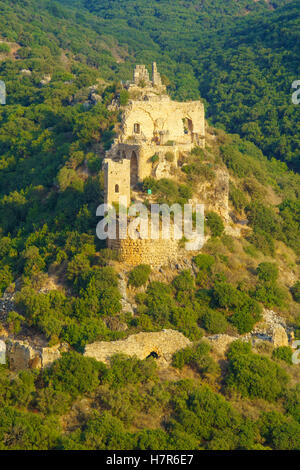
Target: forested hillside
{"x":62,"y":66}
{"x":241,"y":56}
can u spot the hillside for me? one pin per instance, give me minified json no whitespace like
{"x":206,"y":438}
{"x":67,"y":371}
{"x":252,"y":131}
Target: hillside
{"x":60,"y":286}
{"x":241,"y":56}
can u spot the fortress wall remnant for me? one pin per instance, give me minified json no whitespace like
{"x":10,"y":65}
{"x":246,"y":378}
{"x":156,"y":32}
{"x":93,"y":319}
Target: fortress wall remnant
{"x":153,"y":252}
{"x":181,"y":122}
{"x":164,"y":343}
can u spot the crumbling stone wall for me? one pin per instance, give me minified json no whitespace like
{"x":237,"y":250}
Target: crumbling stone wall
{"x":152,"y":252}
{"x":23,"y":355}
{"x":164,"y":343}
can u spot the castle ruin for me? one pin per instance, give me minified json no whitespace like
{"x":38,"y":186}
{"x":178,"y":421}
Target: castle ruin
{"x":152,"y":125}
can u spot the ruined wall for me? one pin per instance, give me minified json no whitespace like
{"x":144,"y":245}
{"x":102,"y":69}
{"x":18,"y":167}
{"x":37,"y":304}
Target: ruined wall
{"x":166,"y":117}
{"x":23,"y":355}
{"x":152,"y":252}
{"x":165,"y":343}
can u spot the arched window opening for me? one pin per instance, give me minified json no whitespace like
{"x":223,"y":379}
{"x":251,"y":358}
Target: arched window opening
{"x":117,"y":189}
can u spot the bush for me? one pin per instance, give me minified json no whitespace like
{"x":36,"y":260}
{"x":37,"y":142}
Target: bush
{"x":139,"y":275}
{"x":214,"y":322}
{"x":279,"y":431}
{"x":125,"y":370}
{"x":196,"y":357}
{"x":184,"y":282}
{"x":247,"y":311}
{"x":284,"y":353}
{"x":296,"y":292}
{"x":267,"y":272}
{"x":4,"y":48}
{"x":270,"y":294}
{"x":237,"y":197}
{"x":251,"y":374}
{"x":204,"y":262}
{"x":74,"y":374}
{"x":215,"y":223}
{"x":124,"y":97}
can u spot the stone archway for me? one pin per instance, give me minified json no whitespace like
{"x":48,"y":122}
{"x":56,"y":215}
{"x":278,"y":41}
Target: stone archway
{"x":133,"y":169}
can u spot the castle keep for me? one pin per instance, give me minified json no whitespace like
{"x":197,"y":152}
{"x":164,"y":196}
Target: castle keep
{"x":152,"y":125}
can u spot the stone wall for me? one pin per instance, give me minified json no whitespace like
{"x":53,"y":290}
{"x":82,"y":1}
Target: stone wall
{"x":23,"y":355}
{"x":164,"y":118}
{"x":153,"y":252}
{"x":164,"y":343}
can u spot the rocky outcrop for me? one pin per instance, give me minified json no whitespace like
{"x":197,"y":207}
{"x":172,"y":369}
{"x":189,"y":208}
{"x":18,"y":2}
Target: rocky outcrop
{"x":164,"y":343}
{"x":272,"y":328}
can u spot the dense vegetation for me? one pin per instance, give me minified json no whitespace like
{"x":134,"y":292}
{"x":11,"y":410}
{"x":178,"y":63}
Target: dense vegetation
{"x":53,"y":135}
{"x":242,"y":57}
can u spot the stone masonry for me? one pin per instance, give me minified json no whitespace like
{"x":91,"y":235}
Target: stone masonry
{"x":164,"y":343}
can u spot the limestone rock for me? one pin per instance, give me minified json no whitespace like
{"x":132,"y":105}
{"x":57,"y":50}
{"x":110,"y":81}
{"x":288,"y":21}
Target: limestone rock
{"x":279,"y":337}
{"x":26,"y":72}
{"x":165,"y":343}
{"x":46,"y":80}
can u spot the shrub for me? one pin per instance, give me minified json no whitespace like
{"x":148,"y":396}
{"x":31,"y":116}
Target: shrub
{"x":263,"y":242}
{"x":198,"y":151}
{"x":270,"y":294}
{"x":184,"y":282}
{"x":159,"y":303}
{"x":124,"y":97}
{"x":6,"y":278}
{"x":204,"y":262}
{"x":247,"y":311}
{"x":251,"y":374}
{"x":196,"y":357}
{"x":237,"y":197}
{"x":74,"y":374}
{"x":284,"y":353}
{"x":124,"y":370}
{"x":267,"y":272}
{"x":4,"y":48}
{"x":215,"y":224}
{"x":139,"y":275}
{"x":279,"y":431}
{"x":296,"y":292}
{"x":214,"y":322}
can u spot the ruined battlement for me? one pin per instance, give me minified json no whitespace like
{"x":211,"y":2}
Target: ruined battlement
{"x":143,"y":83}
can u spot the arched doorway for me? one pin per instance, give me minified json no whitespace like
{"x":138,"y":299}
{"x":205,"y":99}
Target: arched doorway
{"x":133,"y":169}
